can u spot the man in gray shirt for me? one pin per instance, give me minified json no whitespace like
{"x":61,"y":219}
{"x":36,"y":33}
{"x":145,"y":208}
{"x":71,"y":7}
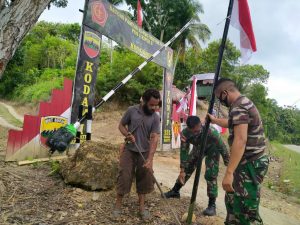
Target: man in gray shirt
{"x":140,"y":124}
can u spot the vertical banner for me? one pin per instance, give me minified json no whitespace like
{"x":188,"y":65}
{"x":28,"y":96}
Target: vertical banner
{"x":86,"y":73}
{"x":166,"y":137}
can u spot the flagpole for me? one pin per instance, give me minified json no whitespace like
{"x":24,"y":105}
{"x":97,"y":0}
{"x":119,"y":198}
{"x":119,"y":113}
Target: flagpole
{"x":210,"y":109}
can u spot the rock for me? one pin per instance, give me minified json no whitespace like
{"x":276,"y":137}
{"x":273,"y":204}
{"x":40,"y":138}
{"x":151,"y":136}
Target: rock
{"x":95,"y":196}
{"x":78,"y":190}
{"x":94,"y":166}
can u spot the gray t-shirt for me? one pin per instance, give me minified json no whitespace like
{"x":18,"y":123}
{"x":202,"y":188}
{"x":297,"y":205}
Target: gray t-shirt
{"x":142,"y":124}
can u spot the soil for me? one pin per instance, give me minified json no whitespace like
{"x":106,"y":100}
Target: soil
{"x":35,"y":195}
{"x":30,"y":195}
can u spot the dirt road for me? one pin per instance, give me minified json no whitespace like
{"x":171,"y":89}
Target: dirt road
{"x":166,"y":171}
{"x":275,"y":207}
{"x":295,"y":148}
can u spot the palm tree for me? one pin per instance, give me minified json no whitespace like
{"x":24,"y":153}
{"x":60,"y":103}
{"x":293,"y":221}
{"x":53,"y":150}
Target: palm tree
{"x":163,"y":18}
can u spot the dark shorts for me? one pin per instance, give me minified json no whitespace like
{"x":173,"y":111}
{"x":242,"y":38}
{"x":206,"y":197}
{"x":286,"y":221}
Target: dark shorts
{"x":131,"y":165}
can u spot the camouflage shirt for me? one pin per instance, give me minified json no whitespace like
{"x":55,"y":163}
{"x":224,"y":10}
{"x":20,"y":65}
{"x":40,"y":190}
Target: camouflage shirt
{"x":214,"y":143}
{"x":243,"y":111}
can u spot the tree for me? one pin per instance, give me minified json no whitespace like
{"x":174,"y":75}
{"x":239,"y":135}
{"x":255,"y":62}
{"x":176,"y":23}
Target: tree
{"x":48,"y":52}
{"x":209,"y":57}
{"x":17,"y":17}
{"x":246,"y":75}
{"x":163,"y":18}
{"x":125,"y":61}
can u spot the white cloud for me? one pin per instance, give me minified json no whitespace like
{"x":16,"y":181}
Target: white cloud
{"x":277,"y":35}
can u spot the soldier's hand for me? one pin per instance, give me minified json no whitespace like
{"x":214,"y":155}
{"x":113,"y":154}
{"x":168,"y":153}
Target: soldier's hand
{"x":181,"y":177}
{"x":182,"y":138}
{"x":227,"y":182}
{"x":226,"y":162}
{"x":211,"y":118}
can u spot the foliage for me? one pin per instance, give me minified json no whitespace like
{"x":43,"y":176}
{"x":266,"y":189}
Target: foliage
{"x":280,"y":123}
{"x":123,"y":63}
{"x":55,"y":167}
{"x":48,"y":54}
{"x":290,"y":170}
{"x":164,"y":18}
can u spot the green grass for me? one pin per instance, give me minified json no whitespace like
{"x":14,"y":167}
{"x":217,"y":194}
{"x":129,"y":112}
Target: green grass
{"x":8,"y":117}
{"x":290,"y":170}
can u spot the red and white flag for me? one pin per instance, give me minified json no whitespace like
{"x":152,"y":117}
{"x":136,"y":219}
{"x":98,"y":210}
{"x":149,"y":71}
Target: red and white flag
{"x":139,"y":14}
{"x":241,"y":20}
{"x":193,"y":99}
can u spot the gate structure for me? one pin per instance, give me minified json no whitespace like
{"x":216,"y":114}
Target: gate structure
{"x":102,"y":18}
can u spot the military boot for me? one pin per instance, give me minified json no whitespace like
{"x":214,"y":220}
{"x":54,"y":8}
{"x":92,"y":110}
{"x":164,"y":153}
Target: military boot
{"x":211,"y":208}
{"x":174,"y":192}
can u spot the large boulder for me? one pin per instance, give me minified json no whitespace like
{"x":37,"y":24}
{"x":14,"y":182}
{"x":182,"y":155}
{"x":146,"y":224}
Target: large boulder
{"x":94,"y":166}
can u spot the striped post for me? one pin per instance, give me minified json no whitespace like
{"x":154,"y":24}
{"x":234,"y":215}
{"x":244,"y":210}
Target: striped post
{"x":131,"y":75}
{"x":78,"y":134}
{"x":89,"y":118}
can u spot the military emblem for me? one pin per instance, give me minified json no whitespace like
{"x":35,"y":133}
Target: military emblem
{"x":99,"y":14}
{"x":49,"y":124}
{"x":91,"y":44}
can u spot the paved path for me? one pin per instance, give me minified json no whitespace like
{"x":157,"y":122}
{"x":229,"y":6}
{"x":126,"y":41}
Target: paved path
{"x":12,"y":111}
{"x":5,"y":123}
{"x":295,"y":148}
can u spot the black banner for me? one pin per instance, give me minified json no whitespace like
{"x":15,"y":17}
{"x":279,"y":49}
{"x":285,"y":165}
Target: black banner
{"x":167,"y":110}
{"x":102,"y":18}
{"x":111,"y":22}
{"x":86,"y":72}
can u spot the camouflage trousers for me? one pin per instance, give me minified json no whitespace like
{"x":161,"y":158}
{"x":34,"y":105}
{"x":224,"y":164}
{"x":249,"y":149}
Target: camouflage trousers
{"x":212,"y":159}
{"x":243,"y":204}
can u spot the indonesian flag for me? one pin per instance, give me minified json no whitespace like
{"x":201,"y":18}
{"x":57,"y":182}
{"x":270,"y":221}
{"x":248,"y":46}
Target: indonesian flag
{"x":139,"y":14}
{"x":241,"y":20}
{"x":183,"y":102}
{"x":183,"y":105}
{"x":193,"y":98}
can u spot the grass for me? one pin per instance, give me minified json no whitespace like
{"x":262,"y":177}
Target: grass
{"x":8,"y":117}
{"x":290,"y":172}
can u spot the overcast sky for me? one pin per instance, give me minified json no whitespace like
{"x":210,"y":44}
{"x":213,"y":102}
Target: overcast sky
{"x":276,"y":31}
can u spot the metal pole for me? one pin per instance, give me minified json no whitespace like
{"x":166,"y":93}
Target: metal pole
{"x":210,"y":109}
{"x":159,"y":187}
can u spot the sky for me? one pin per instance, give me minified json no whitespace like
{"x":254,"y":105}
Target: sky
{"x":275,"y":24}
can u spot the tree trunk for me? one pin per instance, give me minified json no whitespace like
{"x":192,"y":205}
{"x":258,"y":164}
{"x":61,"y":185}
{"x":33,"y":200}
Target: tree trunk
{"x":15,"y":21}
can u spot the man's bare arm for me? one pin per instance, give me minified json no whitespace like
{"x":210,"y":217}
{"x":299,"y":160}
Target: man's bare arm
{"x":123,"y":129}
{"x":236,"y":153}
{"x":238,"y":146}
{"x":153,"y":144}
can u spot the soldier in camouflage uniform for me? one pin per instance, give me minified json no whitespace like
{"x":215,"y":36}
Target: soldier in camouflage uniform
{"x":248,"y":163}
{"x":188,"y":161}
